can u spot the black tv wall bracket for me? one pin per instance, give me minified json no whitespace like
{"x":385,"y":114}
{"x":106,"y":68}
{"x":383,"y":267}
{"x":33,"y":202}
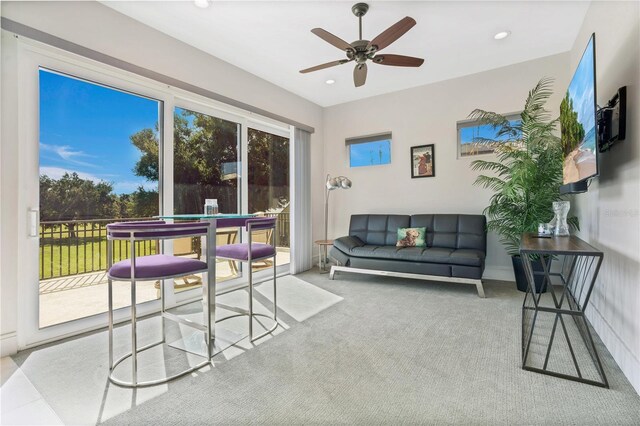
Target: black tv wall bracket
{"x":612,"y":121}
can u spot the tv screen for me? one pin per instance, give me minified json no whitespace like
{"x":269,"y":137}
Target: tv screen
{"x":578,"y":120}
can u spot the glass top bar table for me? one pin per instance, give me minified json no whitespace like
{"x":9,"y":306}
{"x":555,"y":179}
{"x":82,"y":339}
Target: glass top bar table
{"x":556,"y":339}
{"x":222,"y":338}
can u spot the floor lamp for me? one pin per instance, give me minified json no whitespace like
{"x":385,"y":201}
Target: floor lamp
{"x":331,"y":184}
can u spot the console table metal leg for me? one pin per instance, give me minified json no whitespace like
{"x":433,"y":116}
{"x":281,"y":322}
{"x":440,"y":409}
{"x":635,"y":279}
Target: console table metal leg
{"x":577,"y":277}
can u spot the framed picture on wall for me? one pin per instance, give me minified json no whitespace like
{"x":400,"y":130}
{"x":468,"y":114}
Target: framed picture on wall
{"x":423,"y":162}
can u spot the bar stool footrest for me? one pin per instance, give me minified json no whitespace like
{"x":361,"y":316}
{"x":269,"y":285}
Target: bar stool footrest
{"x":126,"y":384}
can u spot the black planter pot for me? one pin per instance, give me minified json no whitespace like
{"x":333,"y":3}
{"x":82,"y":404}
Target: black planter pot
{"x":521,"y":278}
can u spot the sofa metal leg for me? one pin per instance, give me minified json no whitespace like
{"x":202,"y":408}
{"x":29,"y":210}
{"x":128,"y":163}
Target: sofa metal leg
{"x":332,"y":272}
{"x":480,"y":289}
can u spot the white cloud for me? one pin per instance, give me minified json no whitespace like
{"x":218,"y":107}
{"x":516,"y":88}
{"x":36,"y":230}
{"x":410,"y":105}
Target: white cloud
{"x":67,"y":153}
{"x":58,"y":172}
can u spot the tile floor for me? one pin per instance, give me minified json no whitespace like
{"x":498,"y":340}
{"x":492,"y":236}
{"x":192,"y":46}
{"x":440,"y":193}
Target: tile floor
{"x":20,"y":401}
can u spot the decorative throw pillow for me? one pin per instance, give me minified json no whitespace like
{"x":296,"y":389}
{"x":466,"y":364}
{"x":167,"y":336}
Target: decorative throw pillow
{"x":411,"y":237}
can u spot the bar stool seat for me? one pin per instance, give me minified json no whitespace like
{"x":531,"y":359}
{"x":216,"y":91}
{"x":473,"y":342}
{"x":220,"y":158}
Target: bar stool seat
{"x":249,"y":253}
{"x":241,"y":251}
{"x":157,"y":265}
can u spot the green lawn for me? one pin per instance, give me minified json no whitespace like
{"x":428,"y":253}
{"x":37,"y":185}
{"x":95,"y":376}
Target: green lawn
{"x":85,"y":250}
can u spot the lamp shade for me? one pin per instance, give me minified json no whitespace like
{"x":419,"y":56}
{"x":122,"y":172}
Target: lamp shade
{"x":332,"y":183}
{"x":337,"y":183}
{"x":344,"y":182}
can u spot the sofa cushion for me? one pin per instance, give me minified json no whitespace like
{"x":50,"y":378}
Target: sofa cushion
{"x":377,"y":229}
{"x":456,"y":231}
{"x":465,"y":257}
{"x":346,"y":244}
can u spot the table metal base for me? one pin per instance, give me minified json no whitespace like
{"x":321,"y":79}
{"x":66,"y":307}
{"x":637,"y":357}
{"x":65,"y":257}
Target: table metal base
{"x":556,"y":338}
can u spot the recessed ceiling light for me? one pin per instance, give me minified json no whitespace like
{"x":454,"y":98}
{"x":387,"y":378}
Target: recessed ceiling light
{"x":330,"y":81}
{"x":502,"y":35}
{"x":203,"y":4}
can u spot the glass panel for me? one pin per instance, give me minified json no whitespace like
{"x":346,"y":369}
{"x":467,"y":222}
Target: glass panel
{"x":98,"y":164}
{"x":205,"y":162}
{"x":268,"y":186}
{"x":370,"y":153}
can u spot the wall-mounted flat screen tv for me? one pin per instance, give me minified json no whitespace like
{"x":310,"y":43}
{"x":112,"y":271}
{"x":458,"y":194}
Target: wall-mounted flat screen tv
{"x":578,"y":124}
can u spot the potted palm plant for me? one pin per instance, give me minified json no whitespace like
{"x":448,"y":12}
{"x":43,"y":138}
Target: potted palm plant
{"x":526,"y":175}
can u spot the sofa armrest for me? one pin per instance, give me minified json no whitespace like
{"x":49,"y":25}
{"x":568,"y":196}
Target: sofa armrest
{"x":346,"y":244}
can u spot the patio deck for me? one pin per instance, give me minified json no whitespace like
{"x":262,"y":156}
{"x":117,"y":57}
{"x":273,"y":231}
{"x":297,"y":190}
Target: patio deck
{"x":69,"y":298}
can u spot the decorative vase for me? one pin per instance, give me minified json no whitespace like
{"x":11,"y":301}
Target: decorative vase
{"x":559,"y":222}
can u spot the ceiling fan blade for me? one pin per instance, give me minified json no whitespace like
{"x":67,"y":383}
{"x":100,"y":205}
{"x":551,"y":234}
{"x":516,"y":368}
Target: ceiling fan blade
{"x":331,"y":39}
{"x":327,"y":65}
{"x":398,"y":60}
{"x":392,"y":33}
{"x":360,"y":75}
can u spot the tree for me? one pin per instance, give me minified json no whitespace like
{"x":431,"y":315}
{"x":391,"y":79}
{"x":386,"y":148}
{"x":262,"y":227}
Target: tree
{"x":73,"y":198}
{"x":205,"y":163}
{"x":142,"y":203}
{"x":269,"y":172}
{"x":571,"y":130}
{"x":202,"y":146}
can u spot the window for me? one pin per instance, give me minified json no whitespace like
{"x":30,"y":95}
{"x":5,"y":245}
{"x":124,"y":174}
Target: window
{"x":470,"y":133}
{"x":373,"y":150}
{"x":205,"y":162}
{"x":268,"y":189}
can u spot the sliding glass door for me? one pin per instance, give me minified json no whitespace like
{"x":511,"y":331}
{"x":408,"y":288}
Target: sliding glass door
{"x":96,"y":147}
{"x":99,"y":164}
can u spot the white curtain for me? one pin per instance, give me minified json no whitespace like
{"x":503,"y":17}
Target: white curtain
{"x":302,"y":246}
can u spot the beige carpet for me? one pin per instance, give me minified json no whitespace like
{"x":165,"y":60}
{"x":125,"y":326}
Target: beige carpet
{"x":392,"y":352}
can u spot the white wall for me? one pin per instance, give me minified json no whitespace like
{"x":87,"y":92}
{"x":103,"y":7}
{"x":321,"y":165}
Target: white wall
{"x":428,"y":115}
{"x":610,"y":211}
{"x":100,"y":28}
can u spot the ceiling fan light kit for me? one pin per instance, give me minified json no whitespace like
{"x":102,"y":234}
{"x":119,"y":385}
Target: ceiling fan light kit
{"x":362,"y":50}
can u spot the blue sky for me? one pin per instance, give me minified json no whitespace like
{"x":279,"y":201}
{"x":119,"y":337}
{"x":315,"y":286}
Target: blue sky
{"x":85,"y":128}
{"x":581,"y":89}
{"x":370,"y":153}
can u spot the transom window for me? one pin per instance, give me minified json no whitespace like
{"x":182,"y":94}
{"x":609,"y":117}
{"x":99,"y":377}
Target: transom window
{"x":372,"y":150}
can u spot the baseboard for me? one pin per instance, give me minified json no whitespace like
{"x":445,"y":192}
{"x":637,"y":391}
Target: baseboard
{"x":8,"y":344}
{"x":500,"y":273}
{"x":628,"y":363}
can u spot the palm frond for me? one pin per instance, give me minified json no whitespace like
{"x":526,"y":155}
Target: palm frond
{"x":487,"y":117}
{"x":527,"y":173}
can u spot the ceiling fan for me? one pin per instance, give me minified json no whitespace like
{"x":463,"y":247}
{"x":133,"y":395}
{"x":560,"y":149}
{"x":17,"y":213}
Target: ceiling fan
{"x":361,"y":50}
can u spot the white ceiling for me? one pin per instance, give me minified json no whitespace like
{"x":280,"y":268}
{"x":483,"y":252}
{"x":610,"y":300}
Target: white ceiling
{"x":272,"y":39}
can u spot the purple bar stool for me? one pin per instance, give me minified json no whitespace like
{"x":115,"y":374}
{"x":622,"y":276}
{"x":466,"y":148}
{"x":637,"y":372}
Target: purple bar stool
{"x":253,"y":252}
{"x":152,"y":268}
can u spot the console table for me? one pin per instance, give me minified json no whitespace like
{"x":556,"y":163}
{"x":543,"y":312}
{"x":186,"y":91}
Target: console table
{"x":555,"y":333}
